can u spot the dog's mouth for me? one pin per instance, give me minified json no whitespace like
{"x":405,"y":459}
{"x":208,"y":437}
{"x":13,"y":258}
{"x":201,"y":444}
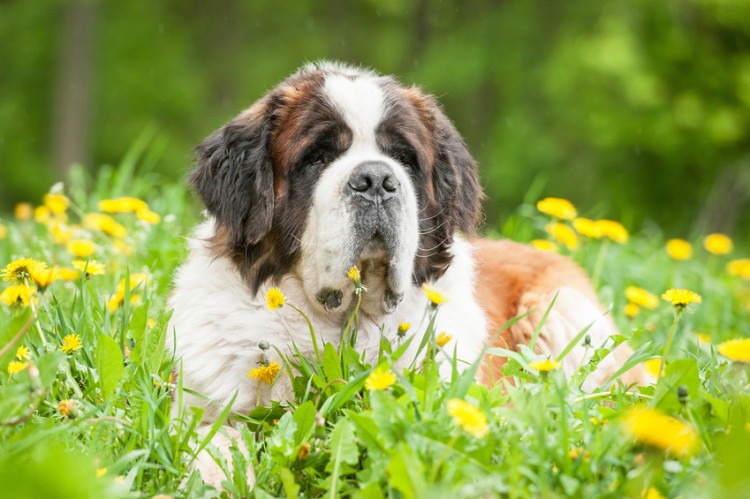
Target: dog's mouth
{"x":376,"y":269}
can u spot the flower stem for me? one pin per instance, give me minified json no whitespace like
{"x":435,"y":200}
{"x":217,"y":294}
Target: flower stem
{"x":312,"y":332}
{"x":668,"y":343}
{"x":599,"y":263}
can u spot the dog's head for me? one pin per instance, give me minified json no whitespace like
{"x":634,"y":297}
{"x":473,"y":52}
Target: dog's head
{"x":336,"y":167}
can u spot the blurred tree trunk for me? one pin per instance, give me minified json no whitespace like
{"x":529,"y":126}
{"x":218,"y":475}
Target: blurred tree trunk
{"x":72,"y":103}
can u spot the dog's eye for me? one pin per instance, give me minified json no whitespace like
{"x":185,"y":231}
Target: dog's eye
{"x":408,"y":158}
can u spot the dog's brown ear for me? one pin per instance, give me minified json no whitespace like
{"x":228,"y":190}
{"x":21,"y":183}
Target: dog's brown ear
{"x":234,"y":176}
{"x":456,"y":176}
{"x":453,"y":201}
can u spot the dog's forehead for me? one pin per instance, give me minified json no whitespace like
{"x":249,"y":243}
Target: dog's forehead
{"x":360,"y":100}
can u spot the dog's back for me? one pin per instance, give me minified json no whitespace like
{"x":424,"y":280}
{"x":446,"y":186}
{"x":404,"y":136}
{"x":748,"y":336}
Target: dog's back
{"x":513,"y":279}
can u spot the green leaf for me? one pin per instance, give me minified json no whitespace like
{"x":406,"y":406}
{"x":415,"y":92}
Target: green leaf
{"x":343,"y":450}
{"x":331,"y":363}
{"x":304,"y":417}
{"x":157,"y":337}
{"x":109,"y":364}
{"x":406,"y":473}
{"x":136,"y":330}
{"x":8,"y":331}
{"x":679,"y":372}
{"x":291,"y":488}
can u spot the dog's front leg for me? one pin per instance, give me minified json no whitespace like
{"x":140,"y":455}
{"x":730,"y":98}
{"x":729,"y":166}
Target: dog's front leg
{"x":209,"y":469}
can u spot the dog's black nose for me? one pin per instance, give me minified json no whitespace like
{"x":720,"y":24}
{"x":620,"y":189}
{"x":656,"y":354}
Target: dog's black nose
{"x":372,"y":180}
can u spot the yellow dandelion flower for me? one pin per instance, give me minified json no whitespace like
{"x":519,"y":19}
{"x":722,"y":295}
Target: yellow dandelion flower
{"x":577,"y":452}
{"x":403,"y":327}
{"x":435,"y":296}
{"x":544,"y":365}
{"x":739,"y":267}
{"x":737,"y":350}
{"x":587,"y":227}
{"x":122,"y":205}
{"x":123,"y":247}
{"x":557,"y":207}
{"x":275,"y":299}
{"x":148,"y":216}
{"x":68,"y":274}
{"x":104,"y":223}
{"x":16,"y":366}
{"x":380,"y":379}
{"x":3,"y":232}
{"x":717,"y":244}
{"x":66,"y":407}
{"x":100,"y":472}
{"x":443,"y":339}
{"x":71,"y":343}
{"x":20,"y":271}
{"x":42,"y":214}
{"x":56,"y":203}
{"x":681,"y":298}
{"x":679,"y":249}
{"x":265,"y":372}
{"x":653,"y":366}
{"x":23,"y":211}
{"x":651,"y":493}
{"x":91,"y":267}
{"x":641,"y":297}
{"x":354,"y":275}
{"x":631,"y":310}
{"x":44,"y":276}
{"x":613,"y":231}
{"x":82,"y":248}
{"x":544,"y":245}
{"x":563,"y":234}
{"x":659,"y":430}
{"x":18,"y":295}
{"x":22,"y":352}
{"x":61,"y":233}
{"x":469,"y":417}
{"x":703,"y":338}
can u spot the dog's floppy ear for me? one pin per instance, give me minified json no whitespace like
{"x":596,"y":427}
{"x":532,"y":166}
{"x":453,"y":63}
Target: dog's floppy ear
{"x":234,"y":176}
{"x":456,"y":176}
{"x":454,"y":200}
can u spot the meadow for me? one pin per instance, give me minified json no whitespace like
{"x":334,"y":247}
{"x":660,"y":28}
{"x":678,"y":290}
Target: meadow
{"x":86,"y":385}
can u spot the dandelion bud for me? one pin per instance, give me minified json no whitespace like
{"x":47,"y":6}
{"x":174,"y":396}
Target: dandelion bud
{"x":264,"y":345}
{"x":587,"y":341}
{"x":682,"y":394}
{"x":304,"y":451}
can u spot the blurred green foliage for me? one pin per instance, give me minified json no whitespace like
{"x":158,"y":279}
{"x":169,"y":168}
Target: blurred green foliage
{"x":636,"y":108}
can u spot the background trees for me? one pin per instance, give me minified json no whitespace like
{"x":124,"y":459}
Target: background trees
{"x":636,"y":109}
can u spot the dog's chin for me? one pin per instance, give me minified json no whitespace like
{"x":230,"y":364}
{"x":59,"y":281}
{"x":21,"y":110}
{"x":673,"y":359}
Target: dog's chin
{"x":381,"y":295}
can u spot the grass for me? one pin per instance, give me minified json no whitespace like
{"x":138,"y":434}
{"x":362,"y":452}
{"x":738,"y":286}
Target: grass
{"x":541,"y":436}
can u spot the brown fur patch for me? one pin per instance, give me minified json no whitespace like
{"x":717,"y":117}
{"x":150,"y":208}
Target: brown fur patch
{"x":512,"y":278}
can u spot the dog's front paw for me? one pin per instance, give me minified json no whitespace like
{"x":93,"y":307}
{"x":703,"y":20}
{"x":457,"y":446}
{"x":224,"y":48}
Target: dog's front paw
{"x":210,"y":471}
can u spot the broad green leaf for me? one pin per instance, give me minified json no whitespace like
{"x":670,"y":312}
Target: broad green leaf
{"x":304,"y":417}
{"x":331,"y":363}
{"x":291,"y":488}
{"x":136,"y":330}
{"x":343,"y":450}
{"x":406,"y":473}
{"x":109,"y":364}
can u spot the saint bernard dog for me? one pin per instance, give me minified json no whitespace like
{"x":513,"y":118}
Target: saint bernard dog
{"x":338,"y":166}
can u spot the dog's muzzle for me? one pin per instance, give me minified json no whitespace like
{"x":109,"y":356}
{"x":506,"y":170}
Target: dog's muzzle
{"x":374,"y":196}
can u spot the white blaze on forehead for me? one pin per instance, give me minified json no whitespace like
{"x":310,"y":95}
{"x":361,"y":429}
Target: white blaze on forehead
{"x":360,"y":102}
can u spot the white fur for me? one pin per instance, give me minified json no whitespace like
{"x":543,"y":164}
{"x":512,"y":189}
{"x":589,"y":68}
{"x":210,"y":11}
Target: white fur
{"x":218,"y":325}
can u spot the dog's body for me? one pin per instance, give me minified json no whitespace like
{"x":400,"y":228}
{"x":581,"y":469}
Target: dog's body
{"x":336,"y":167}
